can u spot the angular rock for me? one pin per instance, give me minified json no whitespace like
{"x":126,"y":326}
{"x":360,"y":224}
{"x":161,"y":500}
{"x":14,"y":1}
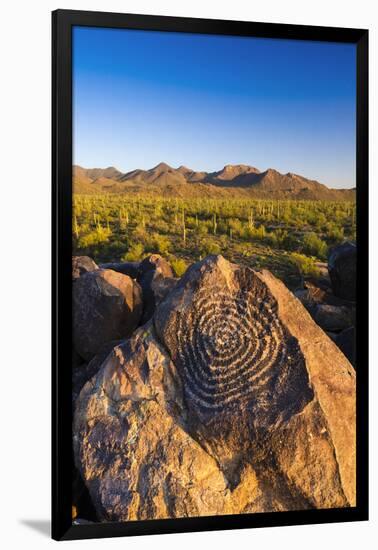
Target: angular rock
{"x":322,"y":268}
{"x":232,"y":400}
{"x":81,"y":265}
{"x":154,"y":263}
{"x":333,"y":318}
{"x":342,"y":267}
{"x":155,"y":276}
{"x":127,"y":268}
{"x":137,"y":460}
{"x":316,"y":292}
{"x":84,"y":372}
{"x":106,"y":306}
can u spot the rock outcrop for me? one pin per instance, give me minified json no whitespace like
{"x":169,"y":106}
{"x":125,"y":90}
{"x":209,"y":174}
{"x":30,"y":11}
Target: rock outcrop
{"x":81,"y":265}
{"x":127,"y":268}
{"x":85,"y":371}
{"x":230,"y":400}
{"x":154,"y":264}
{"x":156,"y":277}
{"x":106,"y":306}
{"x":334,"y":318}
{"x":342,"y":267}
{"x":333,"y":314}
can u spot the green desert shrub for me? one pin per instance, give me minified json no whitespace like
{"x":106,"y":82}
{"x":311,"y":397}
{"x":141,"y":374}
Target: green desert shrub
{"x":158,"y":243}
{"x":259,"y":233}
{"x":99,"y":235}
{"x":314,"y":246}
{"x":209,"y":247}
{"x":202,"y":229}
{"x":224,"y":241}
{"x":305,"y":265}
{"x":179,"y":266}
{"x":236,"y":226}
{"x":222,"y":227}
{"x":140,"y":235}
{"x":117,"y":248}
{"x":134,"y":254}
{"x":243,"y":248}
{"x":335,"y":234}
{"x":161,"y":226}
{"x":277,"y":238}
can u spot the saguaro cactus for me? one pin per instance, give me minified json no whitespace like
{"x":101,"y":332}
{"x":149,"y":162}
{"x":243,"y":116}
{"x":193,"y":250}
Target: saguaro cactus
{"x":183,"y":226}
{"x":250,"y":219}
{"x":76,"y":227}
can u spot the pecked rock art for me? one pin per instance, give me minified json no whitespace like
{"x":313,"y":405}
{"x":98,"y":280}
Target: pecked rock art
{"x":230,"y":400}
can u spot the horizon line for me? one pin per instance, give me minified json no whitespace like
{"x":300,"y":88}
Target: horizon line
{"x":209,"y":171}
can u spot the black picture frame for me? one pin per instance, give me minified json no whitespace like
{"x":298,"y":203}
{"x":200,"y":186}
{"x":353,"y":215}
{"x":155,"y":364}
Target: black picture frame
{"x":62,"y":23}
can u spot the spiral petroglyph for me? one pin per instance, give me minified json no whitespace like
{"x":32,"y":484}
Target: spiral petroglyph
{"x":227,"y":346}
{"x":225,"y":336}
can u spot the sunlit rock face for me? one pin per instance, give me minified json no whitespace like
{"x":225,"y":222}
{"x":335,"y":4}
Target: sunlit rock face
{"x":230,"y":400}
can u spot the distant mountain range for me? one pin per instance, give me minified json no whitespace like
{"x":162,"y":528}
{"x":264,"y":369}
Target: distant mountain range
{"x":234,"y":180}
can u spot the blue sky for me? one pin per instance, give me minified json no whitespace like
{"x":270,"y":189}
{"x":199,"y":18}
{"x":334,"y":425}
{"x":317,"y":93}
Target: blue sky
{"x":204,"y":101}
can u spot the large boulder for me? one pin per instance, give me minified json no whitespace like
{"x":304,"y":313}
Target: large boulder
{"x":342,"y":267}
{"x":232,"y":400}
{"x":81,"y":265}
{"x":334,"y":318}
{"x":127,"y":268}
{"x":137,"y":460}
{"x":156,"y":277}
{"x":106,"y":306}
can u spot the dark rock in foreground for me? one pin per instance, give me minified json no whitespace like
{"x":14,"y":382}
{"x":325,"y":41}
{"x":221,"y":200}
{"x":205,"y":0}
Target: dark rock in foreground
{"x":334,"y":318}
{"x":81,"y":265}
{"x":156,"y":277}
{"x":346,"y":341}
{"x":232,"y":400}
{"x":342,"y":267}
{"x":81,"y":501}
{"x":106,"y":306}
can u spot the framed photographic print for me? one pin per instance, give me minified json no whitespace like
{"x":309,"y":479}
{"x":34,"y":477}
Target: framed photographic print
{"x":210,"y":203}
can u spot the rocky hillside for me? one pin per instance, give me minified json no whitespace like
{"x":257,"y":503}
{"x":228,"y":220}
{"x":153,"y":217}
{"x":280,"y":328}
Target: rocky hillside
{"x":232,"y":181}
{"x":215,"y":393}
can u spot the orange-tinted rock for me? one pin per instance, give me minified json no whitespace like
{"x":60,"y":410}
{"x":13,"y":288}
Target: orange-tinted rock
{"x":232,"y":400}
{"x":81,"y":265}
